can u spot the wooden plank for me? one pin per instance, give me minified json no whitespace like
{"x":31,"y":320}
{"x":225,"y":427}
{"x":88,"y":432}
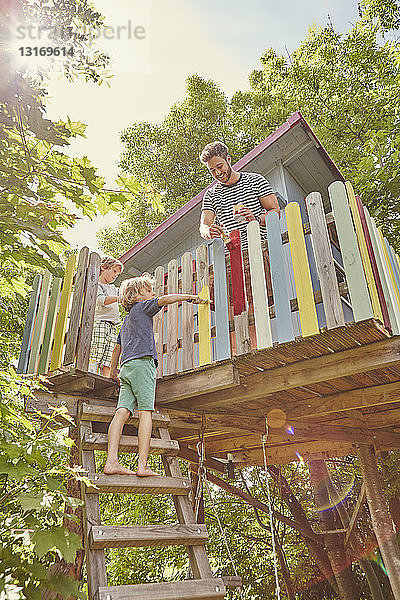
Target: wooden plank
{"x":187,"y":313}
{"x":88,"y":310}
{"x":62,"y":314}
{"x":158,"y":320}
{"x":259,"y":287}
{"x":40,"y":323}
{"x":283,"y":312}
{"x":105,"y":414}
{"x":76,"y":308}
{"x":29,"y":325}
{"x":394,"y":314}
{"x":50,"y":326}
{"x":196,"y":383}
{"x":384,"y":245}
{"x":129,"y":443}
{"x":95,"y":560}
{"x":239,"y":299}
{"x":359,"y":504}
{"x":324,"y":261}
{"x":302,"y":277}
{"x":373,"y":356}
{"x":131,"y":484}
{"x":195,"y":589}
{"x":394,"y":263}
{"x":172,"y":320}
{"x":362,"y":244}
{"x":356,"y":281}
{"x":222,"y":338}
{"x":118,"y":536}
{"x":204,"y":315}
{"x":198,"y":560}
{"x":374,"y":266}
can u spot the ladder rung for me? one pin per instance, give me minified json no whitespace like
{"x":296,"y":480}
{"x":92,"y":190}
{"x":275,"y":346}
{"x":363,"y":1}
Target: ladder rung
{"x":196,"y":589}
{"x":119,"y":536}
{"x":131,"y":484}
{"x":129,"y":443}
{"x":96,"y":412}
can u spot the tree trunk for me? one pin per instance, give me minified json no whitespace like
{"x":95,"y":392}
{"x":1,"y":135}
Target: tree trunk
{"x":315,"y":549}
{"x":372,"y":579}
{"x":347,"y":586}
{"x":284,"y":569}
{"x":381,"y":520}
{"x":194,"y":478}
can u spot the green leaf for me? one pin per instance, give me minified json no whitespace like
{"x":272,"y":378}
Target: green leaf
{"x":66,"y":542}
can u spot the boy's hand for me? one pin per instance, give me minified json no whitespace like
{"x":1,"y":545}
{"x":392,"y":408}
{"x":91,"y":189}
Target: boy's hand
{"x":198,"y":300}
{"x":114,"y":375}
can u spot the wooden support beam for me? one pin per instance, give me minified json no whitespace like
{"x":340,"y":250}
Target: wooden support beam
{"x":281,"y":455}
{"x":192,"y":457}
{"x":367,"y":397}
{"x":378,"y":355}
{"x":354,"y":516}
{"x":197,"y":382}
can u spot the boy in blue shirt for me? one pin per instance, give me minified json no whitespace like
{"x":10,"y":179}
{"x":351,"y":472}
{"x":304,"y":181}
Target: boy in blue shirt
{"x":136,"y":348}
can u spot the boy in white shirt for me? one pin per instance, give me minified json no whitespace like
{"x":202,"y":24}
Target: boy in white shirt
{"x":106,"y":317}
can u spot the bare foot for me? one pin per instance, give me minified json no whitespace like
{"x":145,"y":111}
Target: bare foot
{"x":146,"y":472}
{"x":114,"y":468}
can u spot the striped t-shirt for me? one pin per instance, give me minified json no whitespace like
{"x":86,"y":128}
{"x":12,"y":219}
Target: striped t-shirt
{"x":247,"y":190}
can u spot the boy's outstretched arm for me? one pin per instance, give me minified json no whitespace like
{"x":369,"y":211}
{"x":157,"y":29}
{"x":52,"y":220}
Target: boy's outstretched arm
{"x":171,"y":298}
{"x":116,"y":353}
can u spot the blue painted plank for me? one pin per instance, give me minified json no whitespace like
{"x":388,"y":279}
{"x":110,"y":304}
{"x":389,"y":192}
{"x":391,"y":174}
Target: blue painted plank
{"x":222,"y":339}
{"x":283,"y":312}
{"x":29,"y":325}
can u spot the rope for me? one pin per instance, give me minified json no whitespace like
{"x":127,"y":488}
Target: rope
{"x":264,"y":441}
{"x":202,"y":478}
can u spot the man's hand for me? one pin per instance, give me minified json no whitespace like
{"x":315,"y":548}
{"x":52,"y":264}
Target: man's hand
{"x":209,"y":232}
{"x":246,"y":213}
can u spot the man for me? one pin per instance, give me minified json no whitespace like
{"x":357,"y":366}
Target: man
{"x":251,"y":190}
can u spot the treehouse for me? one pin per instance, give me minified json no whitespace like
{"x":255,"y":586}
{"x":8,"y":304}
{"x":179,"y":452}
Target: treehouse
{"x":296,"y":357}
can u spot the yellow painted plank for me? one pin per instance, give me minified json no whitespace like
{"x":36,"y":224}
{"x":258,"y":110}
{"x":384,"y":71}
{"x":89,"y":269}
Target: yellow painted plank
{"x":376,"y":307}
{"x":62,"y":316}
{"x":389,"y":267}
{"x":204,"y":315}
{"x":302,"y":277}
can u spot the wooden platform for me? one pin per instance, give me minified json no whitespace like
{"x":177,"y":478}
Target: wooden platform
{"x":321,"y":395}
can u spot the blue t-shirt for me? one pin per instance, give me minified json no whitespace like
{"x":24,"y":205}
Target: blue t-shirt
{"x":136,"y":336}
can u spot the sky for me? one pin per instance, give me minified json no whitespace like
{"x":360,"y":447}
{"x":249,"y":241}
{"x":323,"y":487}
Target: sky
{"x":156,"y":45}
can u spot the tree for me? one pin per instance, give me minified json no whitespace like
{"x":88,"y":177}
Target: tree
{"x":34,"y":473}
{"x":346,"y":86}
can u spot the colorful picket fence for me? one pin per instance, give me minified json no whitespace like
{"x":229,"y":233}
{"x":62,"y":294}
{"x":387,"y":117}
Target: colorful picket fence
{"x":59,"y":324}
{"x":314,"y":275}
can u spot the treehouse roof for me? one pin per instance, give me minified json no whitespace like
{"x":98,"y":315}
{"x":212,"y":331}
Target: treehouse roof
{"x":293,"y":146}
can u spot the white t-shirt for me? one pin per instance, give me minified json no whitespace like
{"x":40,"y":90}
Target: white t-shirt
{"x":109,"y":312}
{"x":221,"y":199}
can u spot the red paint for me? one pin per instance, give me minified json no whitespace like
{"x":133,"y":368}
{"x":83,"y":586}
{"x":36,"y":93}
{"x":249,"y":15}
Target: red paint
{"x":381,"y":296}
{"x":291,"y":122}
{"x":237,"y":278}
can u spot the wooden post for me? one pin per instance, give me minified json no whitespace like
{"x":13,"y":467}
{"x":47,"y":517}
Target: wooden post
{"x":381,"y":520}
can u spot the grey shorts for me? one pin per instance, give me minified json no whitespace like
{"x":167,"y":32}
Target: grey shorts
{"x":138,"y":384}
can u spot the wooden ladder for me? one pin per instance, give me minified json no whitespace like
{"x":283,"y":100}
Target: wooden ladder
{"x":97,"y":537}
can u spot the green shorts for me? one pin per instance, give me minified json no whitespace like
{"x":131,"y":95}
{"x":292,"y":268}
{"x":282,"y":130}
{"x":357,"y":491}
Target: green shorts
{"x":138,"y":384}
